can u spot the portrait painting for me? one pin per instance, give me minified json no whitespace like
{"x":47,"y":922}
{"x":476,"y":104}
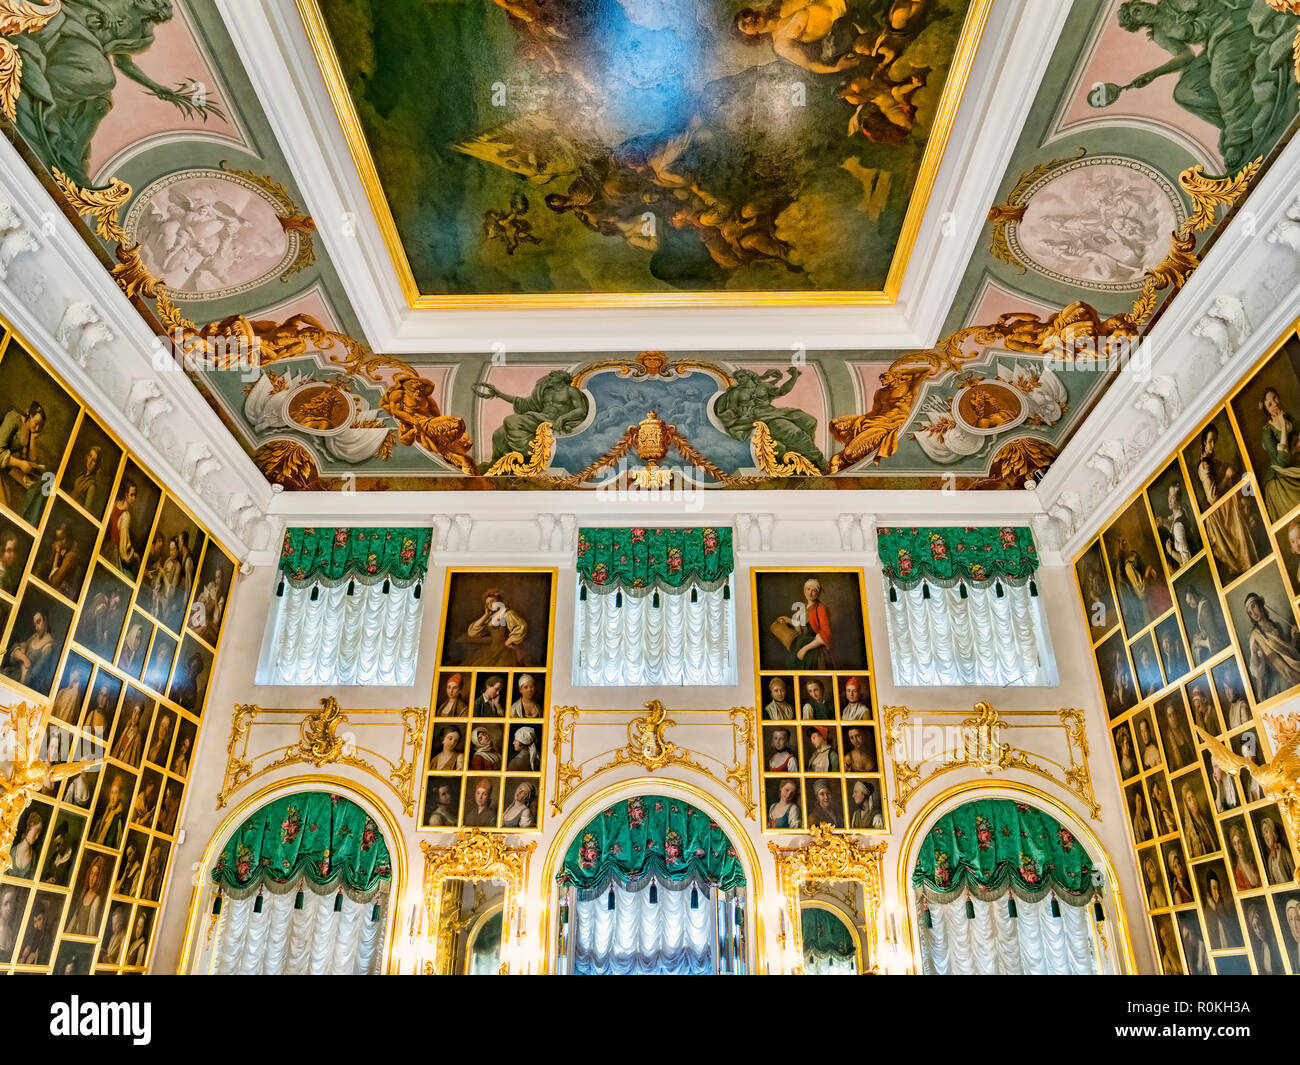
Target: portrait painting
{"x":1288,"y":552}
{"x":1237,"y":534}
{"x":13,"y":900}
{"x":57,"y":747}
{"x":1134,"y":558}
{"x":36,"y":640}
{"x":1162,"y":807}
{"x":71,"y":692}
{"x":126,"y":532}
{"x":1200,"y":701}
{"x":1266,"y":409}
{"x":1193,"y":942}
{"x":865,"y":810}
{"x":1214,"y":463}
{"x":1173,"y":652}
{"x":810,"y":620}
{"x":145,"y":805}
{"x":1177,"y":873}
{"x":1167,"y":953}
{"x":132,"y":865}
{"x":209,"y":605}
{"x":1247,"y":745}
{"x":1146,"y":665}
{"x":784,"y":803}
{"x":1153,"y":878}
{"x":1243,"y":864}
{"x":1264,"y":620}
{"x":820,"y":745}
{"x":34,"y":825}
{"x":779,"y":697}
{"x":108,"y":822}
{"x":80,"y":790}
{"x":780,"y":749}
{"x":528,"y":695}
{"x":1274,"y":844}
{"x":103,"y":613}
{"x":520,"y":811}
{"x":1196,"y":815}
{"x":854,"y":698}
{"x":86,"y":902}
{"x":171,"y":565}
{"x":64,"y":846}
{"x":817,"y":697}
{"x":112,"y":945}
{"x":158,"y":666}
{"x":498,"y":620}
{"x":1286,"y":907}
{"x":1231,"y":691}
{"x":42,"y":929}
{"x":170,"y":808}
{"x":858,"y":749}
{"x":36,"y":420}
{"x":451,"y":697}
{"x":155,"y":871}
{"x":137,"y":944}
{"x":1116,"y":676}
{"x":447,"y":752}
{"x":1218,"y":910}
{"x":1175,"y":732}
{"x":74,"y":958}
{"x":527,"y":747}
{"x":441,"y":802}
{"x":482,"y":802}
{"x":135,"y":645}
{"x":101,"y":710}
{"x":132,"y":727}
{"x":15,"y":552}
{"x":486,"y":752}
{"x":1226,"y":787}
{"x":1262,"y":939}
{"x":189,"y":684}
{"x":1126,"y":757}
{"x":1094,"y":587}
{"x":1198,"y":606}
{"x":92,"y":468}
{"x":1135,"y":801}
{"x":63,"y":557}
{"x":824,"y":801}
{"x":1171,"y":505}
{"x":491,"y":694}
{"x":1147,"y":750}
{"x":183,"y":751}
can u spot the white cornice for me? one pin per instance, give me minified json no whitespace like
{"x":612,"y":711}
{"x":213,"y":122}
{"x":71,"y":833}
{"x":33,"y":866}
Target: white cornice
{"x":63,"y":301}
{"x":1016,"y":48}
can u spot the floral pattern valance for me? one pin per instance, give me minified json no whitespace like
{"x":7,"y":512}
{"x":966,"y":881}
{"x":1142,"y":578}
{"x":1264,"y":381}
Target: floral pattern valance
{"x":639,"y":561}
{"x":314,"y":841}
{"x":948,"y":556}
{"x":368,"y":556}
{"x":824,"y":935}
{"x":650,"y":836}
{"x":995,"y":846}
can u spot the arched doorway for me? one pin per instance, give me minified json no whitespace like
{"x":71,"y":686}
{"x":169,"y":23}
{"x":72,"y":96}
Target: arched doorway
{"x":651,"y":884}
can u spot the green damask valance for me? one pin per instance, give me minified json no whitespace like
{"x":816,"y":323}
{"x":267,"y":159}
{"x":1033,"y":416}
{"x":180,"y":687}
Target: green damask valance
{"x":639,"y":561}
{"x":948,"y":556}
{"x":367,"y":556}
{"x":313,"y":840}
{"x":994,"y":846}
{"x":650,"y":836}
{"x":825,"y":935}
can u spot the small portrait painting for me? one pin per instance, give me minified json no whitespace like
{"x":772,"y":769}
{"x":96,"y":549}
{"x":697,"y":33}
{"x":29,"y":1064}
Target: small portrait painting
{"x":92,"y":468}
{"x":109,"y":820}
{"x":824,"y":802}
{"x":189,"y":686}
{"x":63,"y":557}
{"x":1094,"y":587}
{"x":491,"y":696}
{"x":170,"y":808}
{"x":520,"y":803}
{"x":482,"y":803}
{"x":780,"y":698}
{"x":1175,"y":734}
{"x":137,"y":944}
{"x":103,"y":614}
{"x":1198,"y":605}
{"x":132,"y":727}
{"x":160,"y":743}
{"x":441,"y":802}
{"x":1171,"y":962}
{"x":810,"y":620}
{"x":34,"y":826}
{"x":1153,"y":878}
{"x":817,"y":699}
{"x":780,"y":749}
{"x":485,"y":752}
{"x":1232,"y":694}
{"x":1126,"y":756}
{"x":1274,"y":846}
{"x":1146,"y":665}
{"x":527,"y":696}
{"x":159,"y":663}
{"x":498,"y":620}
{"x":1134,"y":557}
{"x":1180,"y":539}
{"x":101,"y":713}
{"x":1194,"y":812}
{"x":855,"y":699}
{"x":1242,"y":538}
{"x":86,"y":905}
{"x":132,"y":865}
{"x":36,"y":641}
{"x":447,"y":753}
{"x":1147,"y":750}
{"x":80,"y":790}
{"x":526,"y":746}
{"x":155,"y":870}
{"x":1222,"y":927}
{"x":146,"y":798}
{"x":113,"y":942}
{"x":452,"y":694}
{"x":1247,"y":745}
{"x":1225,"y":788}
{"x":865,"y":811}
{"x":126,"y":534}
{"x":1116,"y":676}
{"x":819,"y":749}
{"x":1173,"y":654}
{"x":65,"y":844}
{"x":15,"y":550}
{"x":171,"y":565}
{"x":13,"y":900}
{"x":859,"y":749}
{"x":1286,"y":906}
{"x":1193,"y":942}
{"x":1288,"y":552}
{"x":1215,"y":464}
{"x":42,"y":928}
{"x":1139,"y":815}
{"x":1200,"y":699}
{"x":184,"y":749}
{"x":783,"y":803}
{"x":1265,"y":409}
{"x":1244,"y":865}
{"x":71,"y":692}
{"x":209,"y":605}
{"x":1264,"y":620}
{"x":36,"y":420}
{"x":1162,"y":806}
{"x":1261,"y":939}
{"x":1180,"y":880}
{"x":135,"y":645}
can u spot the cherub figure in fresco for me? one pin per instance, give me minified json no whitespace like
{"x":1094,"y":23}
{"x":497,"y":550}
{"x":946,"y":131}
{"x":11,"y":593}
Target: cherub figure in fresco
{"x":70,"y":69}
{"x":421,"y":423}
{"x":554,"y":399}
{"x":510,"y":227}
{"x":612,"y":199}
{"x":885,"y":111}
{"x":800,"y":32}
{"x":749,"y":401}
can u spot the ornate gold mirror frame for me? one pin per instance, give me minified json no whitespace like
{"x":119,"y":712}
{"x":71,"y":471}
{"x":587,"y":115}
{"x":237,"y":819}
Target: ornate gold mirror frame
{"x":826,"y":859}
{"x":476,"y":856}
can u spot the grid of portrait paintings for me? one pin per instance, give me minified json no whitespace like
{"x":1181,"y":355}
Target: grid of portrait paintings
{"x":111,"y":603}
{"x":1191,"y":597}
{"x":490,"y":724}
{"x":820,"y":737}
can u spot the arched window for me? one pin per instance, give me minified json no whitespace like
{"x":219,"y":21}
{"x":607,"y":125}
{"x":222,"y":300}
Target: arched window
{"x":302,"y":887}
{"x":1003,"y":888}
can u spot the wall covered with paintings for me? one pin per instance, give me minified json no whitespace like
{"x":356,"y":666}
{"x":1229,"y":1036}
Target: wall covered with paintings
{"x":1191,"y":595}
{"x":112,"y":600}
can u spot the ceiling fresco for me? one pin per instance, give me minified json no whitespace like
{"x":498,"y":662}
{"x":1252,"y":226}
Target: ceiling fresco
{"x":1153,"y":121}
{"x":525,"y":147}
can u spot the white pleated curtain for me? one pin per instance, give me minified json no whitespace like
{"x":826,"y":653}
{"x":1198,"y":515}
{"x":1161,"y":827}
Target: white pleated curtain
{"x":938,"y":636}
{"x":343,"y":633}
{"x":312,"y":941}
{"x":641,"y":937}
{"x":993,"y":943}
{"x":673,"y":637}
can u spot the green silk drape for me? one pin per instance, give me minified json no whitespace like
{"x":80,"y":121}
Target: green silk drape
{"x":639,"y":560}
{"x":314,"y":840}
{"x":650,"y":835}
{"x":948,"y":556}
{"x":995,"y":846}
{"x":824,"y":934}
{"x":368,"y":556}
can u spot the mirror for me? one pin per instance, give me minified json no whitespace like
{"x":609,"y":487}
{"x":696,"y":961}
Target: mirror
{"x":469,"y":931}
{"x":830,"y":921}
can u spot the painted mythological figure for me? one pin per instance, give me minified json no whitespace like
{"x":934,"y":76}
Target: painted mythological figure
{"x":749,"y":401}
